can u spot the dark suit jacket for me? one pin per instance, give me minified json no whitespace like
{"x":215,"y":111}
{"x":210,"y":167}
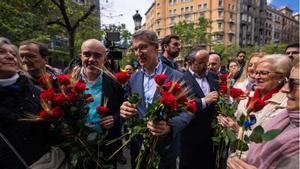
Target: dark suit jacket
{"x":113,"y":91}
{"x":197,"y":135}
{"x":168,"y":145}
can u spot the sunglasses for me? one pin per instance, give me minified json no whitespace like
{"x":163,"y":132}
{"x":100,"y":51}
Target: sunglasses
{"x":292,"y":83}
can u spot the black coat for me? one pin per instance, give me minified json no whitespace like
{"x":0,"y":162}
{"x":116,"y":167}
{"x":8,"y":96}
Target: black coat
{"x":31,"y":140}
{"x":196,"y":143}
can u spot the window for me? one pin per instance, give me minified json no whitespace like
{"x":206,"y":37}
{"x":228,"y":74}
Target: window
{"x":205,"y":6}
{"x":170,"y":12}
{"x":231,"y":16}
{"x":233,"y":7}
{"x":158,"y":23}
{"x":174,"y":11}
{"x":228,"y":6}
{"x":220,"y":25}
{"x":157,"y":4}
{"x":199,"y":6}
{"x":230,"y":38}
{"x":182,"y":10}
{"x":191,"y":8}
{"x":230,"y":26}
{"x":220,"y":13}
{"x":186,"y":9}
{"x":158,"y":14}
{"x":220,"y":3}
{"x":201,"y":14}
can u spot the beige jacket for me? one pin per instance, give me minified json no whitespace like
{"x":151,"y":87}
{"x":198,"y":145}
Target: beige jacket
{"x":275,"y":105}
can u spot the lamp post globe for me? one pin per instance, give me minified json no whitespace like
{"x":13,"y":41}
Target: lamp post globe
{"x":137,"y":18}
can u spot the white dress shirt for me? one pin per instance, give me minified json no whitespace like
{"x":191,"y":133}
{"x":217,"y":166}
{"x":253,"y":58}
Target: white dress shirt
{"x":204,"y":85}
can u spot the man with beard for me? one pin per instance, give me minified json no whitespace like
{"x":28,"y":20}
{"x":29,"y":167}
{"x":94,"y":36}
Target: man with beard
{"x":170,"y":46}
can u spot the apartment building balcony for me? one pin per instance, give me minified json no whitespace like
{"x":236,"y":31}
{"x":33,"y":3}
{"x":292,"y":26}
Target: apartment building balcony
{"x":231,"y":20}
{"x":231,"y":32}
{"x":220,"y":18}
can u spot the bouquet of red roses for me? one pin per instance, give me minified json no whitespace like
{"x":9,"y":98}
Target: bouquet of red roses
{"x":64,"y":107}
{"x":227,"y":104}
{"x":171,"y":101}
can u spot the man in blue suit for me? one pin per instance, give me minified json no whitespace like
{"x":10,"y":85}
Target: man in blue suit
{"x":145,"y":46}
{"x":196,"y":143}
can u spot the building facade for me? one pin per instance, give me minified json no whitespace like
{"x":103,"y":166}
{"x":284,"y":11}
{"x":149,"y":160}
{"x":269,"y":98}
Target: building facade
{"x":241,"y":22}
{"x":163,"y":14}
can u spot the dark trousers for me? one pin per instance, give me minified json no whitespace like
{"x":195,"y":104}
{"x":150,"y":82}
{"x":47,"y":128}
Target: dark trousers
{"x":196,"y":156}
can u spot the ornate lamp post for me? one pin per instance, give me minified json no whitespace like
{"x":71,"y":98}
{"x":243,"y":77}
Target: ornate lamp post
{"x":137,"y":18}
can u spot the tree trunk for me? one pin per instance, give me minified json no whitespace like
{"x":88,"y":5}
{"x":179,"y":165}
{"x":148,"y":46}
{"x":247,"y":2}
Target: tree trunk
{"x":72,"y":44}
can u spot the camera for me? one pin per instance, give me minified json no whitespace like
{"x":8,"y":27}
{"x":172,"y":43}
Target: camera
{"x":110,"y":43}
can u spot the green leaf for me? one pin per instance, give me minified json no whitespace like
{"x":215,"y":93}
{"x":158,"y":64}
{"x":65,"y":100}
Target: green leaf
{"x":256,"y":135}
{"x":271,"y":134}
{"x":231,"y":135}
{"x":216,"y":139}
{"x":134,"y":98}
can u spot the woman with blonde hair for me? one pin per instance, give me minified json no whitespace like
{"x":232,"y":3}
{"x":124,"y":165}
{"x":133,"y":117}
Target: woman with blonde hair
{"x":247,"y":82}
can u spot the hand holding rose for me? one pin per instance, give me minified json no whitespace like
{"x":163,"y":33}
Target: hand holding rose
{"x":128,"y":110}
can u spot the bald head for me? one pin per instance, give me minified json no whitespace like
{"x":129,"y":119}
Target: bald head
{"x":214,"y":63}
{"x":94,"y":43}
{"x":92,"y":56}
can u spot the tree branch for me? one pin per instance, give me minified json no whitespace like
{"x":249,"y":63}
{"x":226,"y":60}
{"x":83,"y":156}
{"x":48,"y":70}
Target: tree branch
{"x":57,"y":4}
{"x":57,"y":23}
{"x":37,"y":4}
{"x":85,"y":16}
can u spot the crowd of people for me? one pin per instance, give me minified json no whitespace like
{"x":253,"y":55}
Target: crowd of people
{"x":185,"y":140}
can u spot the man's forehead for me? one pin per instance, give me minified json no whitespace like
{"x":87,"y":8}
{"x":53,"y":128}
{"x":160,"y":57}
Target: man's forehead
{"x":29,"y":47}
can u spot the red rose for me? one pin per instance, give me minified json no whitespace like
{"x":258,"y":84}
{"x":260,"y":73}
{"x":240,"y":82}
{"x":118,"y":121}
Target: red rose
{"x":192,"y":106}
{"x":46,"y":80}
{"x":168,"y":99}
{"x":71,"y":97}
{"x":255,"y":104}
{"x":47,"y":95}
{"x":223,"y":89}
{"x":80,"y":87}
{"x":60,"y":98}
{"x":160,"y":79}
{"x":63,"y":79}
{"x":44,"y":115}
{"x":90,"y":99}
{"x":122,"y":77}
{"x":223,"y":77}
{"x":173,"y":87}
{"x":259,"y":104}
{"x":87,"y":96}
{"x":182,"y":100}
{"x":102,"y":110}
{"x":235,"y":93}
{"x":58,"y":111}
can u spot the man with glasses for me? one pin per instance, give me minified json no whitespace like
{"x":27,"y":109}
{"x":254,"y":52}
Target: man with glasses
{"x":170,"y":46}
{"x":145,"y":47}
{"x":103,"y":88}
{"x":292,"y":50}
{"x":196,"y":143}
{"x":35,"y":56}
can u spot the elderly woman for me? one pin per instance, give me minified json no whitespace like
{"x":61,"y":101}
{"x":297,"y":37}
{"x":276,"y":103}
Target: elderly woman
{"x":21,"y":143}
{"x":270,"y":74}
{"x":283,"y":151}
{"x":247,"y":82}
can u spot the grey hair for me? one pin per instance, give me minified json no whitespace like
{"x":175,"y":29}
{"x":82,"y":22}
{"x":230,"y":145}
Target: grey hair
{"x":148,"y":35}
{"x":280,"y":63}
{"x":192,"y":54}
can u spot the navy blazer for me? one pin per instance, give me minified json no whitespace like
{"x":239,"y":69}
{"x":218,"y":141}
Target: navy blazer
{"x":168,"y":146}
{"x":204,"y":116}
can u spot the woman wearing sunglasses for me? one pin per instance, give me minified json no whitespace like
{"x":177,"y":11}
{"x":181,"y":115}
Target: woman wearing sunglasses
{"x":270,"y":74}
{"x":283,"y":151}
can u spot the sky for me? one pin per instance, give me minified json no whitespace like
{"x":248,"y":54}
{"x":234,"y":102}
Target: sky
{"x":121,"y":11}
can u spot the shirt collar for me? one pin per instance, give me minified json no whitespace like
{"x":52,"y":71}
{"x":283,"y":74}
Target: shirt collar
{"x":9,"y":81}
{"x":157,"y":70}
{"x":88,"y":81}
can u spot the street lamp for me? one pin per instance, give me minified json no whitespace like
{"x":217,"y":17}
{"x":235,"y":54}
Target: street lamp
{"x":137,"y":18}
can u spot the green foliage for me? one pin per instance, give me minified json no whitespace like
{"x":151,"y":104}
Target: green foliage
{"x":274,"y":48}
{"x":192,"y":34}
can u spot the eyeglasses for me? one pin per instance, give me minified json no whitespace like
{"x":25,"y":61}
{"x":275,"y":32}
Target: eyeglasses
{"x":292,"y":83}
{"x":264,"y":73}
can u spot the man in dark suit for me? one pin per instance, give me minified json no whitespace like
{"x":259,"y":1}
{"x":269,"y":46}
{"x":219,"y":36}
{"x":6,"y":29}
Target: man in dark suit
{"x":196,"y":143}
{"x":103,"y":88}
{"x":170,"y":46}
{"x":145,"y":46}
